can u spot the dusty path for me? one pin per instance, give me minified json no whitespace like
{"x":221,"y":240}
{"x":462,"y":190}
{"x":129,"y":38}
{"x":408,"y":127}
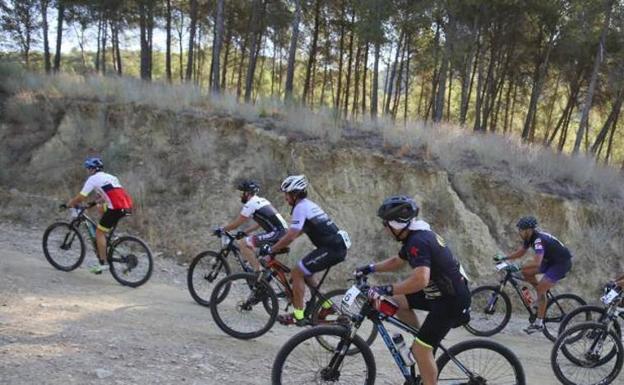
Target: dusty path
{"x":77,"y":328}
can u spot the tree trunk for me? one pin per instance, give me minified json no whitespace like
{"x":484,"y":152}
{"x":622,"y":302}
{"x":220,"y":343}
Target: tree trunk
{"x":168,"y":41}
{"x":256,"y":36}
{"x":611,"y":119}
{"x":468,"y":75}
{"x":349,"y":64}
{"x":97,"y":52}
{"x":390,"y":80}
{"x":340,"y":60}
{"x":59,"y":35}
{"x":375,"y":85}
{"x":438,"y":111}
{"x":356,"y":80}
{"x":46,"y":44}
{"x":216,"y":46}
{"x":145,"y":56}
{"x":292,"y":52}
{"x":407,"y":84}
{"x":312,"y":53}
{"x":399,"y":81}
{"x":191,"y":41}
{"x":181,"y":47}
{"x":226,"y":57}
{"x":104,"y":41}
{"x":583,"y":126}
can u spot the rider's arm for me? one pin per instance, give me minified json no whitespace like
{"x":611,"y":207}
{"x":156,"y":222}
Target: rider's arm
{"x":235,"y":223}
{"x":518,"y":253}
{"x":287,"y":239}
{"x":76,"y":200}
{"x":390,"y":264}
{"x":418,"y":280}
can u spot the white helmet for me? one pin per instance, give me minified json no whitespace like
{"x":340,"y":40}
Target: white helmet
{"x":294,"y":183}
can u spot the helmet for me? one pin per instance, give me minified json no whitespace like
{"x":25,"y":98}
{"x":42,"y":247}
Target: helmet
{"x":527,"y":222}
{"x":248,"y":185}
{"x":294,"y":183}
{"x":400,"y":208}
{"x":94,"y":162}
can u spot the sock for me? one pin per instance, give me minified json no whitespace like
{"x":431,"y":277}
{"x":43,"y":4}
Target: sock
{"x":298,"y":313}
{"x":327,"y":304}
{"x":539,"y":322}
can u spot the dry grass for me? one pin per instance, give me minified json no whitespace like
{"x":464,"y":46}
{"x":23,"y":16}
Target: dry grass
{"x":454,"y":149}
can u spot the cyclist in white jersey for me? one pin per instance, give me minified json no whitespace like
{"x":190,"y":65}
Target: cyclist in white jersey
{"x":263,"y":213}
{"x":116,"y":204}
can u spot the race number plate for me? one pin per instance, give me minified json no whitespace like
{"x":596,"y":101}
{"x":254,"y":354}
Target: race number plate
{"x":350,"y":296}
{"x":345,"y":238}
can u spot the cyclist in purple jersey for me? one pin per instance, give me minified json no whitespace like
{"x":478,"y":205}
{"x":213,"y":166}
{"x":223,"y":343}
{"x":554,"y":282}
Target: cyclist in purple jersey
{"x":552,"y":259}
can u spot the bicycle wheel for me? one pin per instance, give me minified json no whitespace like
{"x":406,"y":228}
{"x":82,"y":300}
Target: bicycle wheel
{"x":586,"y":313}
{"x":490,"y":311}
{"x":323,"y":315}
{"x":556,"y":310}
{"x":130,"y":261}
{"x":250,"y":308}
{"x":206,"y":269}
{"x":589,"y":343}
{"x":302,"y":361}
{"x":482,"y":362}
{"x":63,"y":246}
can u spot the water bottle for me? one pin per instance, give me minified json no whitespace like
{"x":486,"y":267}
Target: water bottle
{"x":403,"y":349}
{"x":526,"y":294}
{"x":91,"y":229}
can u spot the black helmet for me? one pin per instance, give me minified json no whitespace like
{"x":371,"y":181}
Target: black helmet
{"x":248,"y":185}
{"x":400,"y":208}
{"x":527,"y":222}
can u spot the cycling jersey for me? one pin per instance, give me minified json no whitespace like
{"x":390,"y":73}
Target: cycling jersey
{"x":308,"y":217}
{"x":549,"y":247}
{"x":426,"y":248}
{"x":109,"y":189}
{"x":264,"y":214}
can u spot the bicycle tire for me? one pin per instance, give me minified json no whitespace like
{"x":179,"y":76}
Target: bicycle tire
{"x":580,"y":330}
{"x":316,"y":311}
{"x":592,"y":314}
{"x":481,"y":345}
{"x":259,"y":292}
{"x":213,"y":274}
{"x":550,"y":320}
{"x":130,"y":260}
{"x":47,"y":247}
{"x":478,"y":309}
{"x":302,"y":337}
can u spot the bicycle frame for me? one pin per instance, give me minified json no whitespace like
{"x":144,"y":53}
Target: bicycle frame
{"x":231,"y":247}
{"x":83,"y":218}
{"x":513,"y":279}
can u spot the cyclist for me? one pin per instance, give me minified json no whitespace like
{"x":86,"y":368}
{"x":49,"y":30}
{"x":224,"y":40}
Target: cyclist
{"x":263,"y":213}
{"x":330,"y":242}
{"x":436,"y":283}
{"x":552,"y":259}
{"x":116,"y":203}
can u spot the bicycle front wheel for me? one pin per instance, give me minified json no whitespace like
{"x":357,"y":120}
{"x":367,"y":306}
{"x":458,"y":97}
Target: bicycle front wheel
{"x":327,"y":312}
{"x":206,"y":269}
{"x":491,"y":311}
{"x":248,"y":310}
{"x":482,"y":362}
{"x":556,"y":310}
{"x":63,"y":246}
{"x":586,"y":313}
{"x":303,"y":361}
{"x":130,"y":261}
{"x":588,"y":344}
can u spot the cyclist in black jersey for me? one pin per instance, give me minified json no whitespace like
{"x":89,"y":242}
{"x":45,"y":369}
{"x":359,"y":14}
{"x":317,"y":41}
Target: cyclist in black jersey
{"x":263,"y":213}
{"x":436,"y":283}
{"x":331,"y":243}
{"x":552,"y":259}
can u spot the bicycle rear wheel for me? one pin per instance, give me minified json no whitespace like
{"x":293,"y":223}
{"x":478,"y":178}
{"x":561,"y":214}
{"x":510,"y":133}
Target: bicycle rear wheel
{"x":206,"y":269}
{"x":130,"y":261}
{"x":323,"y":314}
{"x":248,"y":310}
{"x":556,"y":310}
{"x":63,"y":246}
{"x":589,"y":343}
{"x":483,"y":362}
{"x":303,"y":361}
{"x":491,"y":311}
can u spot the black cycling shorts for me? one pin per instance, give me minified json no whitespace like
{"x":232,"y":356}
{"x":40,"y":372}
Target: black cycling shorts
{"x":322,"y":259}
{"x":271,"y":238}
{"x":445,"y":313}
{"x":110,"y":218}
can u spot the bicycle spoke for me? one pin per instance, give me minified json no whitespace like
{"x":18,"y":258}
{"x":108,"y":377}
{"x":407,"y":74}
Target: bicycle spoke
{"x":489,"y":365}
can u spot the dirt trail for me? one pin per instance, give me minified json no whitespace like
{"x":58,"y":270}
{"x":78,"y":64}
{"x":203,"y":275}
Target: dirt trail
{"x":77,"y":328}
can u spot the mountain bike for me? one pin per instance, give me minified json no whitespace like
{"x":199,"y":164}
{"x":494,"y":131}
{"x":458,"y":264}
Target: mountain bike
{"x":491,"y":306}
{"x":591,"y":352}
{"x":251,"y":307}
{"x":300,"y":361}
{"x":129,"y":257}
{"x":209,"y":267}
